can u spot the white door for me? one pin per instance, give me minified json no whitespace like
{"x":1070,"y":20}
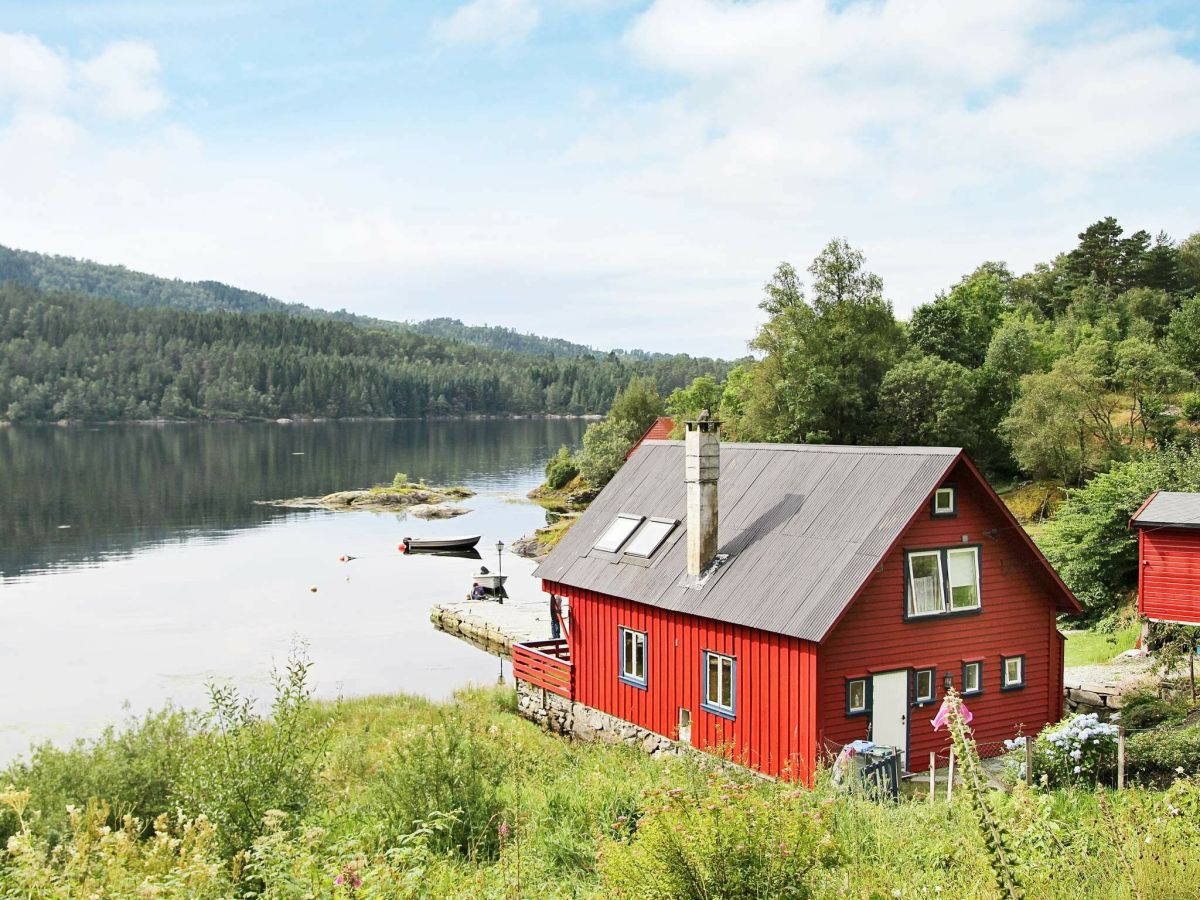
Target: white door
{"x":889,"y":711}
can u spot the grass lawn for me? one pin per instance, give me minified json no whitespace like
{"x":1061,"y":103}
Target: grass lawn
{"x":1089,"y":648}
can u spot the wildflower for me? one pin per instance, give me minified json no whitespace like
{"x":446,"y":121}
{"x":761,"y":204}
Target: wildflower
{"x":504,"y":830}
{"x":349,"y":877}
{"x":1078,"y":769}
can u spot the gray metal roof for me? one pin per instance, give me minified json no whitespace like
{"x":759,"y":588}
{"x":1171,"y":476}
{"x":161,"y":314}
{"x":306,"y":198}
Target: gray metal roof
{"x":804,"y":526}
{"x":1170,"y":508}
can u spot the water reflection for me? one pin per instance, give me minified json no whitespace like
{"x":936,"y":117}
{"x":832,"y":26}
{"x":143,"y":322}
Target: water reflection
{"x":70,"y":496}
{"x":170,"y":576}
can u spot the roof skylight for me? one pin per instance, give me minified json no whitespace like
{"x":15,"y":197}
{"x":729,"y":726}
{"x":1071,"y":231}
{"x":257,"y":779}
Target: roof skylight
{"x":618,"y":533}
{"x":651,"y":537}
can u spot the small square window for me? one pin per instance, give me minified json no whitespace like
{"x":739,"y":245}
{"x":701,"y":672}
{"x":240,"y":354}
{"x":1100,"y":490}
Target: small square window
{"x":857,"y":697}
{"x":944,"y":502}
{"x":924,"y":685}
{"x":633,"y":657}
{"x":719,"y":683}
{"x":1012,"y":674}
{"x":618,"y":533}
{"x":972,"y":678}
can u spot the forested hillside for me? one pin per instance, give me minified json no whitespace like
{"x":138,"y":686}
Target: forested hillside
{"x":80,"y":276}
{"x":1057,"y":373}
{"x":63,"y":356}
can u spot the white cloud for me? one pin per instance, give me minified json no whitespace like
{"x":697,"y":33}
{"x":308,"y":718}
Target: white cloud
{"x":497,"y":23}
{"x":792,"y":93}
{"x":30,"y":72}
{"x":122,"y":80}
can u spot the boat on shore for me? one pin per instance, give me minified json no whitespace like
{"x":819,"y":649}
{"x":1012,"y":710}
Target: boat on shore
{"x":436,"y":544}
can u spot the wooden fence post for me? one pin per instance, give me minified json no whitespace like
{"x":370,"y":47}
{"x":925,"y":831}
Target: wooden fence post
{"x":950,"y":777}
{"x":1120,"y":757}
{"x":1028,"y":760}
{"x":932,"y":777}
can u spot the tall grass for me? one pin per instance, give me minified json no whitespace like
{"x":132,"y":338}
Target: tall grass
{"x":394,"y":797}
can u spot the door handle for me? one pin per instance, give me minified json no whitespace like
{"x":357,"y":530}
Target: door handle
{"x":903,"y":718}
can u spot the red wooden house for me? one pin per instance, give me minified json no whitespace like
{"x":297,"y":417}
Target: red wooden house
{"x":840,"y":592}
{"x":1168,"y":526}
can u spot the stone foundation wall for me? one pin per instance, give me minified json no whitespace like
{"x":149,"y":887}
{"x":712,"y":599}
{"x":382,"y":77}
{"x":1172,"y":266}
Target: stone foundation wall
{"x":563,"y":716}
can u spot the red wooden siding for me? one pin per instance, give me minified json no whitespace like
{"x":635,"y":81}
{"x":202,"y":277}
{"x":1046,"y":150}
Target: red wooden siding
{"x":775,"y":726}
{"x":1018,"y":617}
{"x":1169,"y":574}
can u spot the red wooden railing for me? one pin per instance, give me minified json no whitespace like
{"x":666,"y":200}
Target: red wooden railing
{"x":546,"y":664}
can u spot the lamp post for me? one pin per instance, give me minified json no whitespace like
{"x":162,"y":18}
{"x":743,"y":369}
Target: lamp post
{"x":500,"y":571}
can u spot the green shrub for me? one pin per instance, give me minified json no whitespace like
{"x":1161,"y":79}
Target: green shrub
{"x":399,"y":480}
{"x":243,"y":765}
{"x":561,"y":469}
{"x":730,"y":840}
{"x":131,"y":770}
{"x":1191,"y":406}
{"x":451,"y":767}
{"x":1146,"y":708}
{"x":1164,"y":753}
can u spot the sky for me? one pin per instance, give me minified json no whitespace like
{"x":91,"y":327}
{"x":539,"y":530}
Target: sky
{"x":618,"y":173}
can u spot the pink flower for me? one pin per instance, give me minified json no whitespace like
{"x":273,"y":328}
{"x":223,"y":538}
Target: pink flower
{"x":505,"y":831}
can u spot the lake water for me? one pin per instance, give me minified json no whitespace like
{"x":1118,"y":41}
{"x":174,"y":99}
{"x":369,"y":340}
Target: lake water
{"x":135,"y":567}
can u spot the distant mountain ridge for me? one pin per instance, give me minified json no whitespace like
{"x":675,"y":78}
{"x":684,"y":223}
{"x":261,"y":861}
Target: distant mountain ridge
{"x":48,"y":272}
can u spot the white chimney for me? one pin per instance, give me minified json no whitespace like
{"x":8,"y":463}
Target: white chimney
{"x":702,"y":468}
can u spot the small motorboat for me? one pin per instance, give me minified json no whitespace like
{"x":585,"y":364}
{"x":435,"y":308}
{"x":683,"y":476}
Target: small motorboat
{"x":490,"y":581}
{"x":462,"y":542}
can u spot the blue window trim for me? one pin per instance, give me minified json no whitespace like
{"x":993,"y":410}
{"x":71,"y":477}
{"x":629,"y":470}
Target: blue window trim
{"x":945,"y":564}
{"x":932,"y":698}
{"x":978,"y":690}
{"x":944,"y":514}
{"x":621,"y":676}
{"x":1004,"y":683}
{"x":721,"y":711}
{"x":865,"y":711}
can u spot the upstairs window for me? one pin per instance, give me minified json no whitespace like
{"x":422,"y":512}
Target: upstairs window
{"x":943,"y":581}
{"x":618,"y":533}
{"x":1012,"y":672}
{"x":945,"y":502}
{"x":650,"y":538}
{"x":963,"y":565}
{"x":925,"y":593}
{"x":719,"y":683}
{"x":633,"y":657}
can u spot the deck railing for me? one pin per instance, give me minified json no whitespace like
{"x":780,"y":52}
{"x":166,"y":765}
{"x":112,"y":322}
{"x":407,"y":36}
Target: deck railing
{"x":546,"y":664}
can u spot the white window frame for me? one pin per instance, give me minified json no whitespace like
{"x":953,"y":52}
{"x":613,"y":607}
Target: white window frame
{"x":977,"y":666}
{"x":911,"y":581}
{"x":946,"y":605}
{"x":644,"y":529}
{"x":621,"y":517}
{"x":865,"y":707}
{"x":715,"y":705}
{"x":637,"y":639}
{"x":975,"y":569}
{"x":1006,"y":683}
{"x":932,"y":695}
{"x":938,"y":509}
